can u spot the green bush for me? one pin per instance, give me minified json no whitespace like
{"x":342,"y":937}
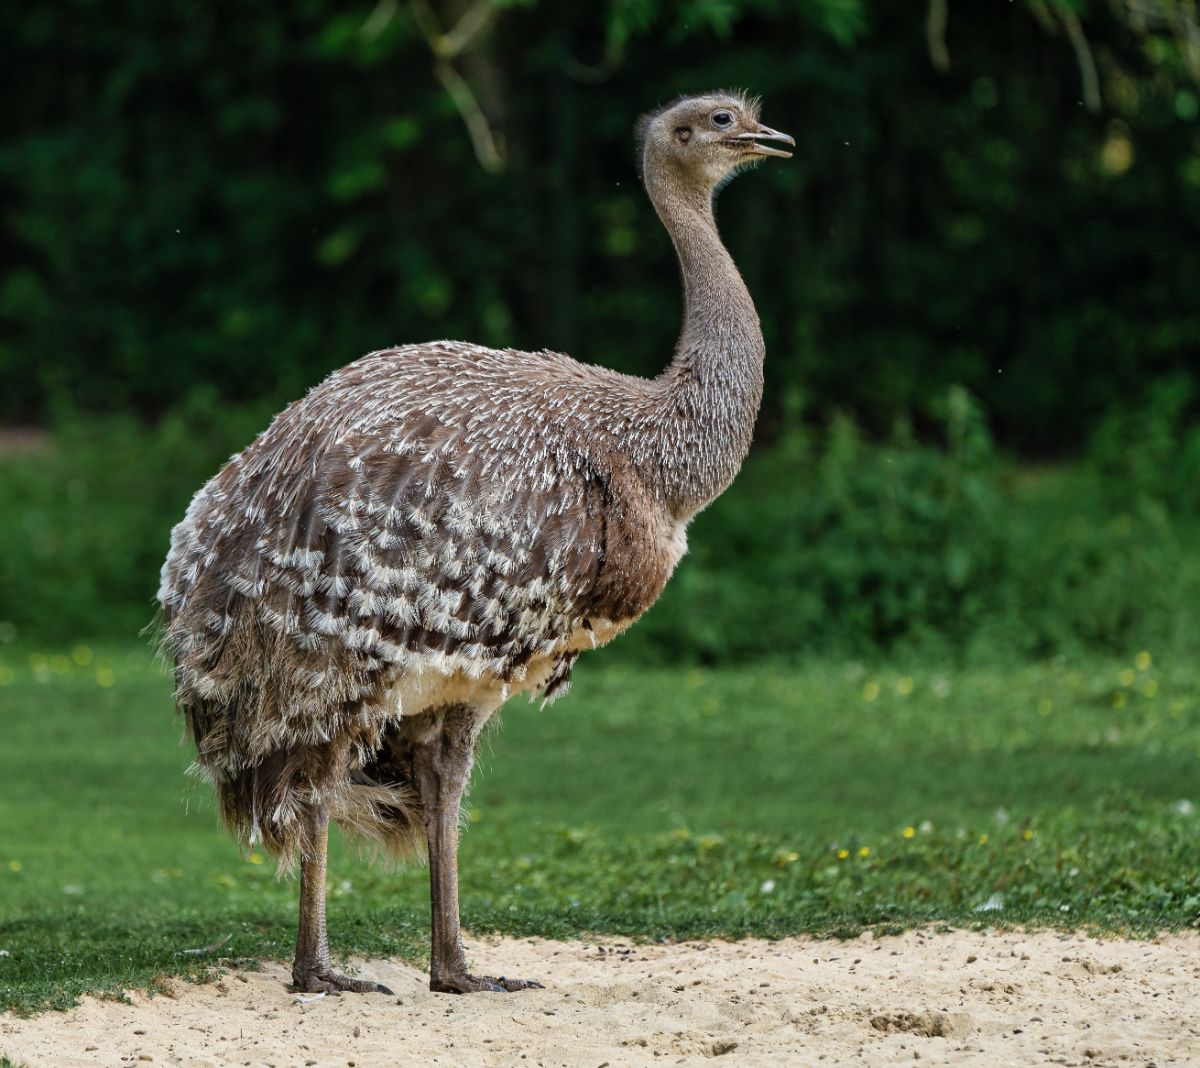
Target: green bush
{"x":826,"y":542}
{"x":1153,"y":449}
{"x":84,"y":525}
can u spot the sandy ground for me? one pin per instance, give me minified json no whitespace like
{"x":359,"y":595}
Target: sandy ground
{"x":946,"y":999}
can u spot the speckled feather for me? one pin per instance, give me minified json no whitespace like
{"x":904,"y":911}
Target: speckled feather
{"x":441,"y":523}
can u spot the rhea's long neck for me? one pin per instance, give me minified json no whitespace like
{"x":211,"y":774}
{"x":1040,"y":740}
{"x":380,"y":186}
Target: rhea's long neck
{"x":713,"y":387}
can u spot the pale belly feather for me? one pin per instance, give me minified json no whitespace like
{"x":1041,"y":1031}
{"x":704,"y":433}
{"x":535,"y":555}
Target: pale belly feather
{"x":416,"y":693}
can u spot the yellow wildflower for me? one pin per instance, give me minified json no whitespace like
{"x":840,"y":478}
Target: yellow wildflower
{"x":14,"y":865}
{"x":904,"y":686}
{"x":1027,"y":834}
{"x":870,"y":691}
{"x":1143,"y":660}
{"x":256,"y":858}
{"x":983,"y":839}
{"x":843,"y":854}
{"x":908,"y":832}
{"x":82,"y":655}
{"x":865,"y":851}
{"x":105,"y":676}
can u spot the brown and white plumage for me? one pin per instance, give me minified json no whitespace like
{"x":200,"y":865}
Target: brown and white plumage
{"x":438,"y":527}
{"x":432,"y":516}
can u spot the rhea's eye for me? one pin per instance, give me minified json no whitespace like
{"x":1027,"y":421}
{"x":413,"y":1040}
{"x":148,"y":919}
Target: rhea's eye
{"x":722,"y":118}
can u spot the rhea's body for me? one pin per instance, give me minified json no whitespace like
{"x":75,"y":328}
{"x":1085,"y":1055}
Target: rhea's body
{"x":433,"y":524}
{"x":436,"y":528}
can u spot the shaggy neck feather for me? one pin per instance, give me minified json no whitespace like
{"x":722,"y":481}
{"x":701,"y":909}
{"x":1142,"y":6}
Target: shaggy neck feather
{"x":713,"y":387}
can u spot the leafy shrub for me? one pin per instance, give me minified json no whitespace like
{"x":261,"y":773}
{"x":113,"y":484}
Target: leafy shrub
{"x":1153,"y":449}
{"x":84,"y":526}
{"x":827,"y":542}
{"x":864,"y":548}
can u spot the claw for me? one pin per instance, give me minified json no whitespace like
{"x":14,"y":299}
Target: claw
{"x":517,"y":984}
{"x":480,"y":984}
{"x":329,"y":982}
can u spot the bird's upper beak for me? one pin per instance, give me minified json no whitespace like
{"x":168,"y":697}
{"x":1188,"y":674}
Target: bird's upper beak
{"x":765,"y":133}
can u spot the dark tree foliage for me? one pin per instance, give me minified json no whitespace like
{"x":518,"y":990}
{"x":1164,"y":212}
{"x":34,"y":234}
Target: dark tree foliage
{"x":245,"y":196}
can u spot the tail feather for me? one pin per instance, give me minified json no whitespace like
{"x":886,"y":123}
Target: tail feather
{"x":263,"y":799}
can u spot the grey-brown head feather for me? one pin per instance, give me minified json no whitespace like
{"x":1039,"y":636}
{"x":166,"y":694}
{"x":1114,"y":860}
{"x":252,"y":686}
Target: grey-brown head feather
{"x":741,"y":98}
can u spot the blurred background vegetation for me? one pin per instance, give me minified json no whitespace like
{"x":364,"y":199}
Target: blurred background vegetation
{"x":978,"y":280}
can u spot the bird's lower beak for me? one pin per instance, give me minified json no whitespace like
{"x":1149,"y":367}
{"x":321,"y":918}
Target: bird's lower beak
{"x":765,"y":133}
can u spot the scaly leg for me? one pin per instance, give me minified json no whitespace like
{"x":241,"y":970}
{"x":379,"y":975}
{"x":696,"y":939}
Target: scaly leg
{"x":313,"y":971}
{"x":441,"y":766}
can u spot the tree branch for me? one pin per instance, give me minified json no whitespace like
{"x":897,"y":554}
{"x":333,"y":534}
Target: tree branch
{"x":935,"y":34}
{"x":488,"y":148}
{"x":595,"y":73}
{"x":1086,"y":61}
{"x":379,"y":19}
{"x":1188,"y":32}
{"x":475,"y":21}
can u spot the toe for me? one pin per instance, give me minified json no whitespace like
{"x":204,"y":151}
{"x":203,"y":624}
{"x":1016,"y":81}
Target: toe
{"x":313,"y":984}
{"x":335,"y":984}
{"x":465,"y":984}
{"x":515,"y":984}
{"x":359,"y":986}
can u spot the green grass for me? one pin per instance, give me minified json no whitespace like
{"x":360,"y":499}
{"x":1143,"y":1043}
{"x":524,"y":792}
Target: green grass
{"x":654,"y":803}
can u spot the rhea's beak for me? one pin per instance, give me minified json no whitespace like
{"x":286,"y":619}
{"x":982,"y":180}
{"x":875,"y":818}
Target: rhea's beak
{"x":765,"y":133}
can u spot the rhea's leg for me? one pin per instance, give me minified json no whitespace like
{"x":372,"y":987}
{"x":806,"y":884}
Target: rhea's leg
{"x":441,"y":766}
{"x":313,"y":971}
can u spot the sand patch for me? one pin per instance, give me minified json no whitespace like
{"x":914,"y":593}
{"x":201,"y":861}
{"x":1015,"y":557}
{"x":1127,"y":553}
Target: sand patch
{"x":958,"y":999}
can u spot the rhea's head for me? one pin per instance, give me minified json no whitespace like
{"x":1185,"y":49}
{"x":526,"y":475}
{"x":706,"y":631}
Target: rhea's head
{"x":704,"y":140}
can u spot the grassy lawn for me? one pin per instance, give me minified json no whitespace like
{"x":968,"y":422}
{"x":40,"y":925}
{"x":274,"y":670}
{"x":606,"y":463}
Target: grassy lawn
{"x":650,"y":802}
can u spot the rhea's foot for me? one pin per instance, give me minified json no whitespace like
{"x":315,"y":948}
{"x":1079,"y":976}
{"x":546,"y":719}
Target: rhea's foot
{"x":476,"y":984}
{"x":317,"y":980}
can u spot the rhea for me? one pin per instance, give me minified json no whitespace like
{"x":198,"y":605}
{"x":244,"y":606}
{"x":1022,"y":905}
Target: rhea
{"x":436,"y":528}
